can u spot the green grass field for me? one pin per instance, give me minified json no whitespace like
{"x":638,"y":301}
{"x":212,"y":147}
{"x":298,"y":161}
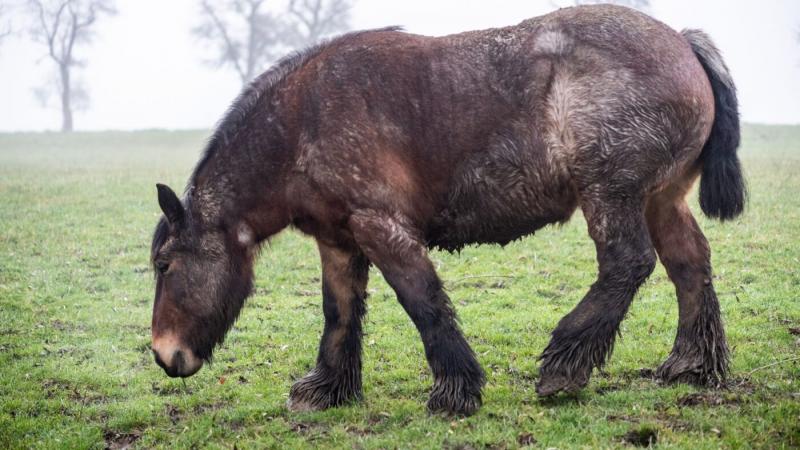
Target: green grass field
{"x":77,"y":213}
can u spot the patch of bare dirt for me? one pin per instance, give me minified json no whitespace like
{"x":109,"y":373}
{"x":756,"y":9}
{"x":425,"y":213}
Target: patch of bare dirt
{"x":603,"y":390}
{"x":742,"y":386}
{"x":358,"y":431}
{"x":790,"y":437}
{"x":641,"y":437}
{"x":622,"y":417}
{"x":170,"y":389}
{"x":458,"y":446}
{"x":711,"y":398}
{"x":7,"y":347}
{"x":481,"y":282}
{"x":309,"y":429}
{"x":526,"y":439}
{"x":60,"y":325}
{"x":54,"y":388}
{"x":211,"y":407}
{"x":51,"y":387}
{"x":174,"y":413}
{"x":121,"y":441}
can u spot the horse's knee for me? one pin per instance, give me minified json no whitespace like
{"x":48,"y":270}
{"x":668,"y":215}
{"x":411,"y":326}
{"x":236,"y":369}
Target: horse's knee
{"x":644,"y":265}
{"x":624,"y":263}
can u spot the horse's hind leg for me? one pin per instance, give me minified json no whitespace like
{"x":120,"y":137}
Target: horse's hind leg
{"x":585,"y":337}
{"x":336,"y":379}
{"x":393,"y":246}
{"x":700,"y":353}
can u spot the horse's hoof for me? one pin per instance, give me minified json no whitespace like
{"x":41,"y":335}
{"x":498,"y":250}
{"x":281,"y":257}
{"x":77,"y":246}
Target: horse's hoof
{"x":689,"y":374}
{"x":553,"y":384}
{"x":317,"y":391}
{"x":695,"y":370}
{"x":305,"y":397}
{"x":309,"y":393}
{"x":301,"y":405}
{"x":455,"y":399}
{"x":463,"y":406}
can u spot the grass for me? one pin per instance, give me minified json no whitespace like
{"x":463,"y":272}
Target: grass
{"x":77,"y":212}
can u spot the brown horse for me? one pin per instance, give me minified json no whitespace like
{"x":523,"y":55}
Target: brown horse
{"x":382,"y":145}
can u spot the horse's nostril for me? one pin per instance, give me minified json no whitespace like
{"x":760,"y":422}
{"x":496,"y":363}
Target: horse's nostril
{"x":178,"y":362}
{"x":158,"y":360}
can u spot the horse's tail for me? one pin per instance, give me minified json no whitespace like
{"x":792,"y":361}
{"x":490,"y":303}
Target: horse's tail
{"x":722,"y":186}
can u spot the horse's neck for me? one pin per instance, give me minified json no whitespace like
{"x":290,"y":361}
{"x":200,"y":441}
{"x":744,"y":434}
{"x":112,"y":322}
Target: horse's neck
{"x":225,"y":193}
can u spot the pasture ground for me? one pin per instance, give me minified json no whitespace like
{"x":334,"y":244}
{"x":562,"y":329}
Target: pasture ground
{"x":76,"y":216}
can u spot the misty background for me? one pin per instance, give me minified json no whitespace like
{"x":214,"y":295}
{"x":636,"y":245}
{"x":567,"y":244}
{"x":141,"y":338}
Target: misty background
{"x":163,"y":64}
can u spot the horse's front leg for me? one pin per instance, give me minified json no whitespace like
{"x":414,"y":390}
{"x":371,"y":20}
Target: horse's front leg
{"x":392,"y":244}
{"x":336,"y":379}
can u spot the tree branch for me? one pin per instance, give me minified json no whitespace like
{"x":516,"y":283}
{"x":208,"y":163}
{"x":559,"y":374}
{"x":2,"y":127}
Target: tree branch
{"x":231,"y":51}
{"x":8,"y":30}
{"x":49,"y":35}
{"x":252,"y":36}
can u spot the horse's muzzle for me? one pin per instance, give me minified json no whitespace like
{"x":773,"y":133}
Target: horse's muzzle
{"x":175,"y":359}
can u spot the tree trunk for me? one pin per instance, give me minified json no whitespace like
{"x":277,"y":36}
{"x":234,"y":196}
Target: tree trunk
{"x":66,"y":99}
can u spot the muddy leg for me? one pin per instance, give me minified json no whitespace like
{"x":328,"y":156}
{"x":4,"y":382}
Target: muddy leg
{"x":584,"y":338}
{"x":391,"y":244}
{"x":337,"y":377}
{"x":700,"y":352}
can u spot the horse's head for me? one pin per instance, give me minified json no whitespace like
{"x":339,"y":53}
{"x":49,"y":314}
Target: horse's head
{"x":203,"y":274}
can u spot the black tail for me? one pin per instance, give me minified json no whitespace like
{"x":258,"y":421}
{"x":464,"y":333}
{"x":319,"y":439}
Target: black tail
{"x":722,"y":187}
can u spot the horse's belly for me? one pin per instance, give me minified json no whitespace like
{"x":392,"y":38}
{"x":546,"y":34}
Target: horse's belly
{"x":482,"y":228}
{"x":498,"y":203}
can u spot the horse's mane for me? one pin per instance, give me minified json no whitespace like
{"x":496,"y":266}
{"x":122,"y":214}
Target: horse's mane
{"x":247,"y":101}
{"x":160,"y":236}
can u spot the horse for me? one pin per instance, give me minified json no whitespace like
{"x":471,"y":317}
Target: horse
{"x":383,"y":145}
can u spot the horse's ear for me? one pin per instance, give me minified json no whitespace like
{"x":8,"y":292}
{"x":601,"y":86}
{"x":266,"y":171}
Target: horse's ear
{"x":170,"y":204}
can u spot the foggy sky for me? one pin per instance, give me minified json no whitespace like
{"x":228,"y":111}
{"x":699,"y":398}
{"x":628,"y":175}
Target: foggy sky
{"x":145,"y":68}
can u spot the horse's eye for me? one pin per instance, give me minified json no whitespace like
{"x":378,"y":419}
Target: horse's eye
{"x":162,"y":267}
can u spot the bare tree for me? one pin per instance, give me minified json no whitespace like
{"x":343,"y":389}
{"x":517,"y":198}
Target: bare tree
{"x":61,"y":25}
{"x":317,"y":19}
{"x":249,"y":37}
{"x":5,"y":24}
